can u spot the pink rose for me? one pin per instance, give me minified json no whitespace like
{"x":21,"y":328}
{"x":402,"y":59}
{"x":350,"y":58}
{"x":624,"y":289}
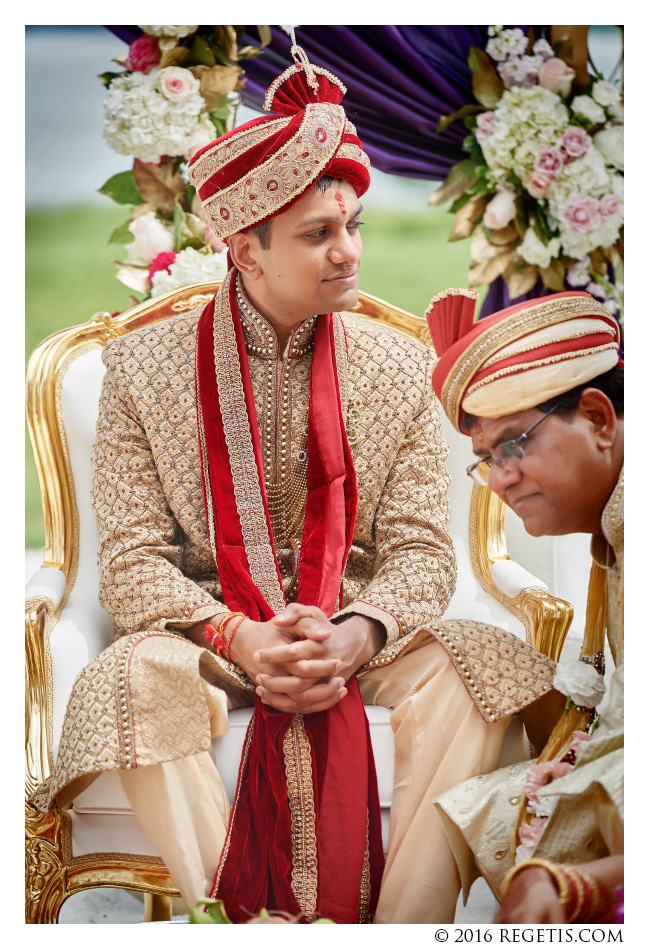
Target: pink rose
{"x":486,"y":122}
{"x":500,"y":210}
{"x":581,"y":214}
{"x":537,"y":184}
{"x":177,"y":83}
{"x":530,"y":834}
{"x":540,"y":774}
{"x":576,"y":141}
{"x":161,"y":262}
{"x":549,"y":161}
{"x":143,"y":54}
{"x":556,"y":76}
{"x":609,"y":205}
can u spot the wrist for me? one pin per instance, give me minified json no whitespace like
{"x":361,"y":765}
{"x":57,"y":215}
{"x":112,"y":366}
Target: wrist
{"x":370,"y":635}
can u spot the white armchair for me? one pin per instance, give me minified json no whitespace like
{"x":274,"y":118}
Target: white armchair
{"x":98,"y":842}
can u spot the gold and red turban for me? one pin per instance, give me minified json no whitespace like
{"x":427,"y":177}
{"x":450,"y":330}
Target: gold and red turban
{"x":260,"y":168}
{"x":520,"y":356}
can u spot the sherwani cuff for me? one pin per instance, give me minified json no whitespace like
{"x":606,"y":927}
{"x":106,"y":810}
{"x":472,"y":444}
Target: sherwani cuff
{"x":389,"y":621}
{"x":198,"y":615}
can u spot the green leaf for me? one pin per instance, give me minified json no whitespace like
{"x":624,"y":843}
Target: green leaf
{"x":121,"y":188}
{"x":215,"y":912}
{"x":105,"y":78}
{"x":202,"y":52}
{"x":486,"y":83}
{"x":121,"y":234}
{"x":470,"y":145}
{"x":459,"y":178}
{"x":323,"y":920}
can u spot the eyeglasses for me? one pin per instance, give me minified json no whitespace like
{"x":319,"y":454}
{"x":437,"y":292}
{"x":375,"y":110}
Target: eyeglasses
{"x":506,"y":454}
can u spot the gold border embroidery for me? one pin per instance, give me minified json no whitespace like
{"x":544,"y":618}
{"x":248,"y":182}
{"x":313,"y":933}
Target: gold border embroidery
{"x":228,"y":838}
{"x":299,"y":787}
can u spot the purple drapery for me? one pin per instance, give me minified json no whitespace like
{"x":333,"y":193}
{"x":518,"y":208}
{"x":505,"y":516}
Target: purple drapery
{"x":400,"y":80}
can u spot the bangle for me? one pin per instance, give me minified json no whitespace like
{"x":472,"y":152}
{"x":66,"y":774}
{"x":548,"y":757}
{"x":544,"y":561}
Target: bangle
{"x":580,"y":895}
{"x":228,"y":643}
{"x":215,"y":638}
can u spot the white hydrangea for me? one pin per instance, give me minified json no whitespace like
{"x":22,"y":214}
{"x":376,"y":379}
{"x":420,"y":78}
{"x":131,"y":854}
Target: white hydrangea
{"x":527,"y":121}
{"x":579,"y":275}
{"x":177,"y":31}
{"x":140,"y":120}
{"x":190,"y":266}
{"x":605,"y":93}
{"x":588,"y":108}
{"x":543,"y":49}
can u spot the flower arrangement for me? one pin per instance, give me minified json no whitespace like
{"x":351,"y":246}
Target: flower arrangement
{"x":583,"y":686}
{"x":541,"y":192}
{"x":176,"y":93}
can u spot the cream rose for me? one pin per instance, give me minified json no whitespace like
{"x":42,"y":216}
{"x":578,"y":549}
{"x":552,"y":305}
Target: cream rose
{"x":586,"y":106}
{"x":500,"y":210}
{"x":176,"y":83}
{"x":151,"y":238}
{"x":605,"y":93}
{"x":610,"y":142}
{"x":556,"y":76}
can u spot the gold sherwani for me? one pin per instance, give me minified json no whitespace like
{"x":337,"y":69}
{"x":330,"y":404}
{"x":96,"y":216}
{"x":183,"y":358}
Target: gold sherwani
{"x":154,"y":696}
{"x":588,"y":818}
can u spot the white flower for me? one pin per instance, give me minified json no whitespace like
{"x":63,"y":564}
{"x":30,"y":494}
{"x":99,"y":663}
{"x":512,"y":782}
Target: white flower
{"x":579,"y":275}
{"x":500,"y":210}
{"x":176,"y":83}
{"x":584,"y":105}
{"x":151,"y":238}
{"x":610,"y":142}
{"x":596,"y":290}
{"x":176,"y":31}
{"x":535,"y":252}
{"x":580,"y":681}
{"x":140,"y":120}
{"x":201,"y":135}
{"x":190,"y":266}
{"x":605,"y":93}
{"x":542,"y":48}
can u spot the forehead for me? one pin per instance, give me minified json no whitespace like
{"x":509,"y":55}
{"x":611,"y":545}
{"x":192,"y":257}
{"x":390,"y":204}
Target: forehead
{"x":489,"y":431}
{"x":314,"y":202}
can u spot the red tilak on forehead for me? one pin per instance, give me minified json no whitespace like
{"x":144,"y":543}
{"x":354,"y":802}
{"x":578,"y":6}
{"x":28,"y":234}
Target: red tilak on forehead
{"x":340,"y":202}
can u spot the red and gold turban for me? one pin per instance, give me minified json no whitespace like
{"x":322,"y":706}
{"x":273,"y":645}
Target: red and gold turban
{"x":520,"y":356}
{"x":258,"y":169}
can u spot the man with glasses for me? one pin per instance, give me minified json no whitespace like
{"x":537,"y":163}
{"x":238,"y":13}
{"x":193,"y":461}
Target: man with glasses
{"x":539,"y":389}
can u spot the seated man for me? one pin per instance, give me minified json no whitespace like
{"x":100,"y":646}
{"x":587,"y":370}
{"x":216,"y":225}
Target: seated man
{"x":538,"y":389}
{"x":270,"y":487}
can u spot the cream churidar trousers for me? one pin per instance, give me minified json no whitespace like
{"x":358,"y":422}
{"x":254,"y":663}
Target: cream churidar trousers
{"x":440,"y":740}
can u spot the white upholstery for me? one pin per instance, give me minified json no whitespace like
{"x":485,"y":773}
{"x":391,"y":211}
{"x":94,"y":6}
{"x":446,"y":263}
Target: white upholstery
{"x":102,"y":820}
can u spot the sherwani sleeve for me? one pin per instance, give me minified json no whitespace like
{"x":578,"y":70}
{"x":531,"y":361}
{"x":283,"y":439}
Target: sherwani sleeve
{"x":415,"y":569}
{"x":141,"y":584}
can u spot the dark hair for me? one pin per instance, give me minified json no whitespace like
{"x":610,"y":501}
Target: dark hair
{"x":263,"y":231}
{"x":611,"y":383}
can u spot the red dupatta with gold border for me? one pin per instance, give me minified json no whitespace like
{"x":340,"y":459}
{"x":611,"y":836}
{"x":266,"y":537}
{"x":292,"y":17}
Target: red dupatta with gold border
{"x":305,"y":831}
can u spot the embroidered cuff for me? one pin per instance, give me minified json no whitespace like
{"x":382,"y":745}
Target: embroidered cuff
{"x":373,"y":612}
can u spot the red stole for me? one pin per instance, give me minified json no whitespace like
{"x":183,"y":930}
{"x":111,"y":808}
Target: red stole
{"x":305,"y":829}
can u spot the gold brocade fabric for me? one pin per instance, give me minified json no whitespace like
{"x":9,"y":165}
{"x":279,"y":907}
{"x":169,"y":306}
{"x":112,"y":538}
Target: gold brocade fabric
{"x":157,"y":571}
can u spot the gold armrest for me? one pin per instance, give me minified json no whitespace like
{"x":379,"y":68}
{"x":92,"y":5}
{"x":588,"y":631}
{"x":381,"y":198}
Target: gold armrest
{"x":546,"y":618}
{"x":38,"y":758}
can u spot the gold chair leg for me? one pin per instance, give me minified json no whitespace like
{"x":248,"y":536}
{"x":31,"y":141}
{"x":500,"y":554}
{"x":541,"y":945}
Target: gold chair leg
{"x":157,"y":908}
{"x":45,"y":872}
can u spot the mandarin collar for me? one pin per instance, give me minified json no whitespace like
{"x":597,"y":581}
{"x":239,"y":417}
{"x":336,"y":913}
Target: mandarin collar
{"x":261,"y":339}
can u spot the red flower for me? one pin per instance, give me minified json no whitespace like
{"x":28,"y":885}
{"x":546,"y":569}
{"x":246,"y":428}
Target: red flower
{"x":143,"y":54}
{"x":162,"y":262}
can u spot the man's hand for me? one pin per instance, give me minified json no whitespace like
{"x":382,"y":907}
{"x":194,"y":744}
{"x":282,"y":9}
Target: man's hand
{"x":319,"y":659}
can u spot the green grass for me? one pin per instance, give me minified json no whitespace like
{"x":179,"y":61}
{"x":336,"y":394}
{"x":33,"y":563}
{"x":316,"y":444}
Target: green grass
{"x":406,"y":259}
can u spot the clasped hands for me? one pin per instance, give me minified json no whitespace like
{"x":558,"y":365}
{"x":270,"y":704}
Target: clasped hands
{"x":300,"y":660}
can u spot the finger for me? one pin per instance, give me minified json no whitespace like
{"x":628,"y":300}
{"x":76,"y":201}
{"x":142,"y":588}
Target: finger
{"x":290,"y":652}
{"x":316,"y":699}
{"x":291,"y":685}
{"x":297,"y":611}
{"x":315,"y":668}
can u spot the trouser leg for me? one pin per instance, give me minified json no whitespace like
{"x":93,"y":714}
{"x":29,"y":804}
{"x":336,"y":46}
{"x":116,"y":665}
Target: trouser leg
{"x":440,"y":740}
{"x":183,"y":809}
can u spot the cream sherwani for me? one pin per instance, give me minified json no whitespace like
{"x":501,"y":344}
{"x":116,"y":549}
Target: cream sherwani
{"x":149,"y":705}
